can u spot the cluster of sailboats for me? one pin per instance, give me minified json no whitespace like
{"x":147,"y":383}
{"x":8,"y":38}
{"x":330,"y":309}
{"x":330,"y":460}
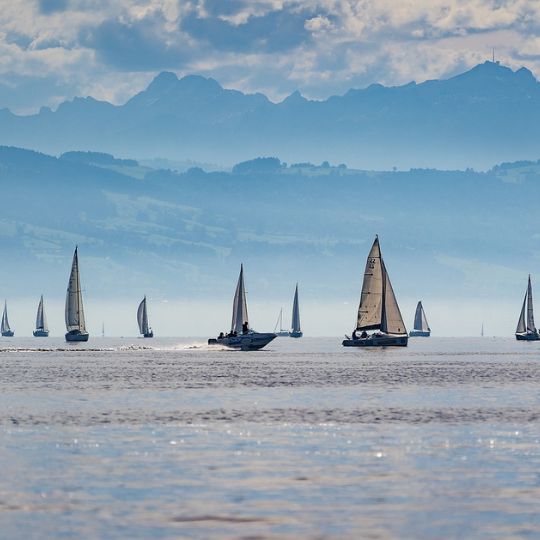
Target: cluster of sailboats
{"x":379,"y":322}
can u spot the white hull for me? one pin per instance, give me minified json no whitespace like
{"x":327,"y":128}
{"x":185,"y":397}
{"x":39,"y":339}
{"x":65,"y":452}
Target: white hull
{"x":252,"y":341}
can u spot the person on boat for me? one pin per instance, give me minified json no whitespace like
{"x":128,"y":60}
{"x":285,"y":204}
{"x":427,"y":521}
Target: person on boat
{"x":245,"y":328}
{"x":363,"y":335}
{"x":221,"y":336}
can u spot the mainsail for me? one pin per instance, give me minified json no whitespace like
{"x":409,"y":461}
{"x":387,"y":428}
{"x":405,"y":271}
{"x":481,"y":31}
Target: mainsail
{"x":74,"y":303}
{"x":240,"y":313}
{"x":526,"y":317}
{"x":41,"y":318}
{"x":142,"y":317}
{"x":370,"y":310}
{"x":378,"y":306}
{"x":296,"y":312}
{"x":420,"y":321}
{"x":5,"y":322}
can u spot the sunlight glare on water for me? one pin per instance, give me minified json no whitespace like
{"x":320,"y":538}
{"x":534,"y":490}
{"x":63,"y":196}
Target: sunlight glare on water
{"x":169,"y":438}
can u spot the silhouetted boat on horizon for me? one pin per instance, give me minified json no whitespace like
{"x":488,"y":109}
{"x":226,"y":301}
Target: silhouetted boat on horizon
{"x":142,"y":320}
{"x":241,"y":335}
{"x":526,"y":330}
{"x":42,"y":329}
{"x":421,"y":326}
{"x":279,"y":324}
{"x":378,"y":308}
{"x":296,"y":330}
{"x":4,"y":327}
{"x":75,"y":323}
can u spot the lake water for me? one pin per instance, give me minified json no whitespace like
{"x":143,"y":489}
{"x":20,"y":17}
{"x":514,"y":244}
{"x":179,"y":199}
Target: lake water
{"x":167,"y":438}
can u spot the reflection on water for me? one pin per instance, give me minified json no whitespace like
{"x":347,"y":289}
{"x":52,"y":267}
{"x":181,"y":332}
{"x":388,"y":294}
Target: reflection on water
{"x":169,"y":439}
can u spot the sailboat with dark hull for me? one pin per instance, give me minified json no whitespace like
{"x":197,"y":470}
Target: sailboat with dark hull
{"x":296,"y":329}
{"x":5,"y":329}
{"x":241,"y":335}
{"x":378,"y":309}
{"x":75,"y":323}
{"x":526,"y":330}
{"x":282,"y":332}
{"x":421,"y":326}
{"x":42,"y":329}
{"x":142,"y":320}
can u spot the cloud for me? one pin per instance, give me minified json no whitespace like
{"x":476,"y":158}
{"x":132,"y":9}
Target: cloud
{"x":321,"y":47}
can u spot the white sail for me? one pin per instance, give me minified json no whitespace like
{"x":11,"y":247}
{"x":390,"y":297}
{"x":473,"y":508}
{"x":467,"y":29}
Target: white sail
{"x":392,"y":321}
{"x":521,"y":327}
{"x":370,"y":309}
{"x":296,"y":312}
{"x":5,"y":322}
{"x":240,"y":313}
{"x":74,"y":304}
{"x":41,"y":318}
{"x":142,"y":317}
{"x":530,"y":315}
{"x":420,"y":320}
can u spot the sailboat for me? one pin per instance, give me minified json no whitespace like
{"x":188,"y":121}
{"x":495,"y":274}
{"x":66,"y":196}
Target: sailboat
{"x":4,"y":328}
{"x":42,"y":329}
{"x":75,"y":324}
{"x":142,"y":319}
{"x":421,"y":326}
{"x":279,"y":323}
{"x":296,"y":330}
{"x":378,"y":309}
{"x":526,"y":331}
{"x":241,"y":335}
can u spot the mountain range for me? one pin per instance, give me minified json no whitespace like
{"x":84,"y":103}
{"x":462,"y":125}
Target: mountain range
{"x":483,"y":116}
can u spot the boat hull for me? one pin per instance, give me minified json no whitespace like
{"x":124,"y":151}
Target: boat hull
{"x":9,"y":333}
{"x":252,"y":341}
{"x":40,"y":333}
{"x":378,"y":341}
{"x":528,"y":337}
{"x":148,"y":335}
{"x":296,"y":334}
{"x":77,"y":335}
{"x":419,"y":333}
{"x":282,"y":334}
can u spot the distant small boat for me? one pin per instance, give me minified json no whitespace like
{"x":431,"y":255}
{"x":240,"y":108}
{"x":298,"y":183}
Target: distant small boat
{"x":75,"y":323}
{"x":279,"y":324}
{"x":42,"y":329}
{"x":526,"y":331}
{"x":296,"y":330}
{"x":142,"y":319}
{"x":421,"y":326}
{"x":241,"y":335}
{"x":4,"y":328}
{"x":378,"y":309}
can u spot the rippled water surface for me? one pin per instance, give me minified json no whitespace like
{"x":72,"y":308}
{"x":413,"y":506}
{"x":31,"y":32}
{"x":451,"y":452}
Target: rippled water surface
{"x":168,"y":438}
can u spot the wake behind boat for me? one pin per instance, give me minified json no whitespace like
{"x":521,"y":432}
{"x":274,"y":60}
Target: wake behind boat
{"x":378,"y":309}
{"x":42,"y":329}
{"x":75,"y":323}
{"x":5,"y":328}
{"x":421,"y":326}
{"x":526,"y":331}
{"x":241,"y":335}
{"x":142,"y":320}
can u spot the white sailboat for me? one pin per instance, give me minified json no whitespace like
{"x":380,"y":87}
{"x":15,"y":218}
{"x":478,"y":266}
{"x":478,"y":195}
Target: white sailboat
{"x":4,"y":327}
{"x":241,"y":335}
{"x":421,"y":326}
{"x":142,"y":320}
{"x":296,"y":330}
{"x":526,"y":330}
{"x":42,"y":329}
{"x":75,"y":323}
{"x":378,"y":309}
{"x":279,"y":324}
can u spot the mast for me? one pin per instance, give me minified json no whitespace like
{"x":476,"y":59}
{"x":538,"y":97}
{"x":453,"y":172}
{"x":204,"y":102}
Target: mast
{"x":530,"y":315}
{"x":279,"y":322}
{"x":74,"y":304}
{"x":296,"y":312}
{"x":240,"y":313}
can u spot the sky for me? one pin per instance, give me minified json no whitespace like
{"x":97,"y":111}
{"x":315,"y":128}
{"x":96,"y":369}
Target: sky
{"x":53,"y":50}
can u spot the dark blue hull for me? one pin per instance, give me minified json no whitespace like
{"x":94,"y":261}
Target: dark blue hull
{"x":41,"y":333}
{"x":76,"y":335}
{"x":9,"y":333}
